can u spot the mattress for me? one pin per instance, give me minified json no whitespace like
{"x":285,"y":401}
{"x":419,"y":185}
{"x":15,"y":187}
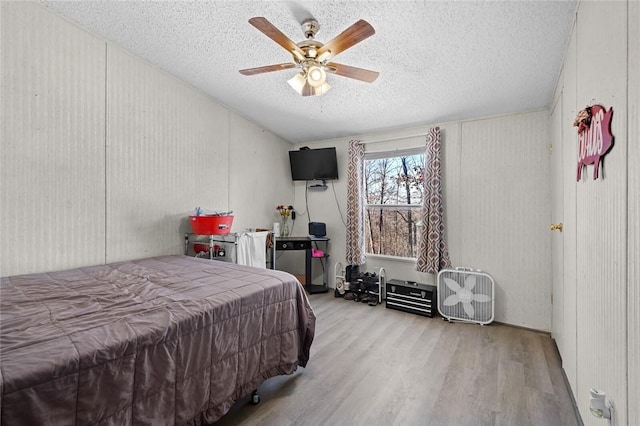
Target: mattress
{"x":158,"y":341}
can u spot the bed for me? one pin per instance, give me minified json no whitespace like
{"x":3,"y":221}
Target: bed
{"x":158,"y":341}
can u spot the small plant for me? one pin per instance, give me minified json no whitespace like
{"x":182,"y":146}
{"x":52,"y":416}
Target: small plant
{"x":285,"y":213}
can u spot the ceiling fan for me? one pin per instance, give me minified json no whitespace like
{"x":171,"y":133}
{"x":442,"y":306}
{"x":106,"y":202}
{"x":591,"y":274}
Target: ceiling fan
{"x":312,"y":57}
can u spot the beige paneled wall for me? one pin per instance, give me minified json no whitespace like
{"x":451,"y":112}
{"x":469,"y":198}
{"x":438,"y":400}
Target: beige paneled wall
{"x":52,"y":171}
{"x":167,"y":152}
{"x":633,"y":162}
{"x":602,"y":213}
{"x":453,"y":190}
{"x":327,"y":206}
{"x":600,"y":345}
{"x":259,"y":174}
{"x":495,"y":186}
{"x":104,"y":155}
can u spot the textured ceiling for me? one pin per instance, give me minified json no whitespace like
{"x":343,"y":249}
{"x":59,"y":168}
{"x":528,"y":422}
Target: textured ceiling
{"x":438,"y":61}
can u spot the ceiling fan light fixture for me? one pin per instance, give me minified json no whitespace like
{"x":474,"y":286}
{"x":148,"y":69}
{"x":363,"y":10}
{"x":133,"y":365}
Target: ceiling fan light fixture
{"x":324,"y":56}
{"x":298,"y":82}
{"x":316,"y":76}
{"x":321,"y":90}
{"x":300,"y":57}
{"x":312,"y":57}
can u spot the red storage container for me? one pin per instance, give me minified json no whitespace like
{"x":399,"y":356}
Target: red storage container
{"x":199,"y":248}
{"x":211,"y":225}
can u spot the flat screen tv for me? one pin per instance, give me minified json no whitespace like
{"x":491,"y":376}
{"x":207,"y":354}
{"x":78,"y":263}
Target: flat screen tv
{"x":314,"y":164}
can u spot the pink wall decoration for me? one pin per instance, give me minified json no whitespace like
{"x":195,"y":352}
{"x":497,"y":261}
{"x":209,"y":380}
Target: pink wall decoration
{"x":594,"y":137}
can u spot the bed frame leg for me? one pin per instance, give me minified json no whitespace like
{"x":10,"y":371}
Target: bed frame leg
{"x":255,"y":397}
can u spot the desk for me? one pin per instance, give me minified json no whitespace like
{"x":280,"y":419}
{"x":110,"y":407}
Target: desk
{"x":304,"y":243}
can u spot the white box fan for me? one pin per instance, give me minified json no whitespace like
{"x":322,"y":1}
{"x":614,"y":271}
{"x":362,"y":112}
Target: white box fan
{"x":467,"y":295}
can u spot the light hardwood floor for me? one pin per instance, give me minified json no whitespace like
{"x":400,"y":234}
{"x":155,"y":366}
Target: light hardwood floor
{"x":377,"y":366}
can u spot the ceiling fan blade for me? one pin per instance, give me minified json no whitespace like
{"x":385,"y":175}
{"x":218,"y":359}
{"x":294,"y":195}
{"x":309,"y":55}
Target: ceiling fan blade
{"x":275,"y":34}
{"x":348,"y":38}
{"x":352,"y":72}
{"x":268,"y":68}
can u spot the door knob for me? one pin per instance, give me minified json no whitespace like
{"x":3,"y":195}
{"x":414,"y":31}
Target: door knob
{"x":556,"y":227}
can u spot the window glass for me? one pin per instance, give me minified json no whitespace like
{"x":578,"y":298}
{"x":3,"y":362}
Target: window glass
{"x":393,"y":199}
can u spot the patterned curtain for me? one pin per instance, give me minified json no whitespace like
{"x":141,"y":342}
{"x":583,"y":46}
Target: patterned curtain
{"x":355,"y":207}
{"x":433,"y":254}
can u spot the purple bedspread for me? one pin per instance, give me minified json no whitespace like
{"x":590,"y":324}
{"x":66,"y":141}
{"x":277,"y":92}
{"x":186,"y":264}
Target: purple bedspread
{"x":159,"y":341}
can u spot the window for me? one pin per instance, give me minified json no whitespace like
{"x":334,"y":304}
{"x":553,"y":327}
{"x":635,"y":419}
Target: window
{"x":393,"y":199}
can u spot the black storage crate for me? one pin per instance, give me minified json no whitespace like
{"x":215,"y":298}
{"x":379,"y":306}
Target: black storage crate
{"x":411,"y":297}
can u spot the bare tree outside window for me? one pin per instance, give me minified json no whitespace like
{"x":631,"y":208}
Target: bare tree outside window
{"x":393,"y":198}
